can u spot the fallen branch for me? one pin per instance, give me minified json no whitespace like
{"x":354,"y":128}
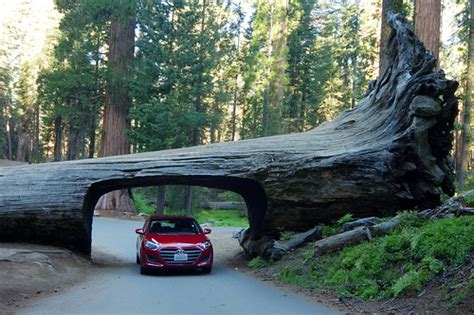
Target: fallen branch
{"x":269,"y":248}
{"x":360,"y":222}
{"x":299,"y":239}
{"x":356,"y":236}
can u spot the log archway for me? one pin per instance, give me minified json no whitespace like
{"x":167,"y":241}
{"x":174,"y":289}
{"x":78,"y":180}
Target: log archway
{"x":390,"y":152}
{"x":250,"y":190}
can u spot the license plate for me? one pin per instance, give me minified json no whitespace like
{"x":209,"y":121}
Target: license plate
{"x":181,"y":257}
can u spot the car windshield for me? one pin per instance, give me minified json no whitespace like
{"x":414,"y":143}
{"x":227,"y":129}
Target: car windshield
{"x":175,"y":226}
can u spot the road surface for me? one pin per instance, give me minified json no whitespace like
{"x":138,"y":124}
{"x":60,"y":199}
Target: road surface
{"x":120,"y":289}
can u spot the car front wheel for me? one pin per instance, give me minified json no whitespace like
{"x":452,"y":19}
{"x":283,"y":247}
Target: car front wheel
{"x":144,"y":270}
{"x":206,"y":270}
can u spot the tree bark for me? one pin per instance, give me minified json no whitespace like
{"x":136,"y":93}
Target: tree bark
{"x":118,"y":101}
{"x":427,"y":24}
{"x":58,"y":138}
{"x":188,"y":200}
{"x":392,"y":152}
{"x":160,"y":200}
{"x":3,"y":135}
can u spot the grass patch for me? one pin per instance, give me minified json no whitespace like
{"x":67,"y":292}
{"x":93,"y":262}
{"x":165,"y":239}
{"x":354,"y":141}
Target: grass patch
{"x":390,"y":266}
{"x":221,"y":217}
{"x":258,"y":263}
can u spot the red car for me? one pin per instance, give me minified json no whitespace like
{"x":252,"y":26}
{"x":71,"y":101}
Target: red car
{"x":173,"y":242}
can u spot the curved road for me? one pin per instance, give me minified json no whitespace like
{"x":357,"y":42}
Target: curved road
{"x":120,"y":289}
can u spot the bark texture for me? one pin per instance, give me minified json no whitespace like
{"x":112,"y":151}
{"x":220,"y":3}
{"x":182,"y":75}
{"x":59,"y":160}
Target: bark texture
{"x":428,"y":23}
{"x":390,"y":152}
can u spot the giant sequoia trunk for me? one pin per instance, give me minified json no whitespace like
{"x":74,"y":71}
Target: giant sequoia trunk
{"x":117,"y":100}
{"x":391,"y":152}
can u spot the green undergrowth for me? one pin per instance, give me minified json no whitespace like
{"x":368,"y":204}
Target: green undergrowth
{"x":258,"y":263}
{"x":219,"y":218}
{"x":390,"y":266}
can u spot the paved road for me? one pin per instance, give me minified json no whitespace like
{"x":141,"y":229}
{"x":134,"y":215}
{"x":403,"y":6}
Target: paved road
{"x":120,"y":289}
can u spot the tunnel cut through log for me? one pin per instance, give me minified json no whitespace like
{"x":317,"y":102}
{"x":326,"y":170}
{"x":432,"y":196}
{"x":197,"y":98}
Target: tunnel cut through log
{"x":250,"y":190}
{"x":391,"y":152}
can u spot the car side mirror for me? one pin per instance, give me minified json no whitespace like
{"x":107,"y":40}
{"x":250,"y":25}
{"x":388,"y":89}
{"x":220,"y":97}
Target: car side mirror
{"x":140,"y":231}
{"x":207,"y":231}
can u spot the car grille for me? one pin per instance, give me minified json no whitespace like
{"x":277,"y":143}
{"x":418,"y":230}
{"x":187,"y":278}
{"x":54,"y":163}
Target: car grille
{"x":168,"y":256}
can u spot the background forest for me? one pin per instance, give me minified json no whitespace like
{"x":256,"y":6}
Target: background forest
{"x":87,"y":78}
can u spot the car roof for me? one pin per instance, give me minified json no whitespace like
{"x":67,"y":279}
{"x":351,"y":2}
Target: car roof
{"x":158,"y":217}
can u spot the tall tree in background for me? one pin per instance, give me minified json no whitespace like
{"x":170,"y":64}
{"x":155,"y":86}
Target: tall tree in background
{"x":114,"y":140}
{"x":71,"y":89}
{"x":394,"y":6}
{"x":302,"y":88}
{"x":4,"y":99}
{"x":465,"y":134}
{"x":428,"y":23}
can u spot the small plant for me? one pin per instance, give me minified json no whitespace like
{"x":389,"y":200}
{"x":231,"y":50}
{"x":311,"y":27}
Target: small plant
{"x":345,"y":219}
{"x":286,"y":235}
{"x":259,"y":263}
{"x":292,"y":274}
{"x":410,"y":282}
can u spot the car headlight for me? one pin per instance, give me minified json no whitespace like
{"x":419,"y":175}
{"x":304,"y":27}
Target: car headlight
{"x":205,"y":245}
{"x":152,"y":245}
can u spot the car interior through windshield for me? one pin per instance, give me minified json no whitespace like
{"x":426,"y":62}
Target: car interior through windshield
{"x":175,"y":226}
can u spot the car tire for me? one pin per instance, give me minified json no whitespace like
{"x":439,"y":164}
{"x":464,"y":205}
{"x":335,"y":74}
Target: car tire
{"x":144,"y":270}
{"x":206,"y":270}
{"x":137,"y":260}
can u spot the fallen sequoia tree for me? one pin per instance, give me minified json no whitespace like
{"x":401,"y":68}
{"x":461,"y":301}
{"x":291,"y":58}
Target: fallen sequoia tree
{"x":390,"y":152}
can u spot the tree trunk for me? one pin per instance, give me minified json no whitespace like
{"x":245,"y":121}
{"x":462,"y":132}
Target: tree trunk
{"x":117,"y":101}
{"x":9,"y":141}
{"x":466,"y":129}
{"x":392,"y":152}
{"x":427,"y":24}
{"x":3,"y":135}
{"x":188,"y":200}
{"x":160,"y":200}
{"x":388,"y":6}
{"x":58,"y":138}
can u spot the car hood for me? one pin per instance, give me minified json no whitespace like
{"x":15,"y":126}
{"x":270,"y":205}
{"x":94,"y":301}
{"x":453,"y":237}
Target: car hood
{"x":179,"y":239}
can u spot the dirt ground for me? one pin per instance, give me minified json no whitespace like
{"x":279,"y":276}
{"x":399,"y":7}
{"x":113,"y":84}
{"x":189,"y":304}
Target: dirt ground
{"x":29,"y":272}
